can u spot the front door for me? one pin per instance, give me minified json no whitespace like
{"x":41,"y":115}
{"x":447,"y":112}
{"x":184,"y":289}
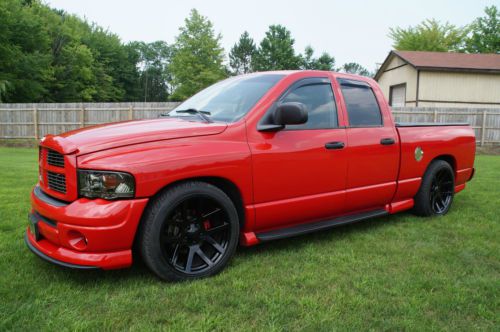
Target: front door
{"x":300,"y":171}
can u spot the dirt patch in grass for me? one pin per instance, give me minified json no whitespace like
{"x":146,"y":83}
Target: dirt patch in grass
{"x":489,"y":150}
{"x":19,"y":143}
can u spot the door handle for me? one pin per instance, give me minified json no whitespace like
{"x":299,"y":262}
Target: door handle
{"x":334,"y":145}
{"x":387,"y":141}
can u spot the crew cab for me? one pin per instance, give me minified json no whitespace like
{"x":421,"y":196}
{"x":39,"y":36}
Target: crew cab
{"x":250,"y":159}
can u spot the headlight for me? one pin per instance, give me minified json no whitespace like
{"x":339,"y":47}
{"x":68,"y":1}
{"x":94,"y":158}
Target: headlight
{"x":107,"y":185}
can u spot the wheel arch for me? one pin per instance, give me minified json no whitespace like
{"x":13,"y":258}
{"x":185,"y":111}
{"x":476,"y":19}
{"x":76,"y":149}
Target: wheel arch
{"x":444,"y":157}
{"x":226,"y":185}
{"x":450,"y":159}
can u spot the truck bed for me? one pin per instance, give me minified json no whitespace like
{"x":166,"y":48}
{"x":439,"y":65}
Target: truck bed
{"x":454,"y":142}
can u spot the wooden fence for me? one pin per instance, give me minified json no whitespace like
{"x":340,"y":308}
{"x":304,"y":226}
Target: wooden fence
{"x":37,"y":120}
{"x":485,"y":121}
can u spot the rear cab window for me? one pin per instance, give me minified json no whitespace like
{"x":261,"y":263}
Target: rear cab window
{"x":362,"y":107}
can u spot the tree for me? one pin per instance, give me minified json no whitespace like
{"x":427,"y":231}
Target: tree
{"x":242,"y":55}
{"x":4,"y":85}
{"x":197,"y":60}
{"x":355,"y":68}
{"x":276,"y":51}
{"x":153,"y":61}
{"x":24,"y":52}
{"x":324,"y":62}
{"x":110,"y":63}
{"x":430,"y":35}
{"x":485,"y":33}
{"x":74,"y":76}
{"x":48,"y":55}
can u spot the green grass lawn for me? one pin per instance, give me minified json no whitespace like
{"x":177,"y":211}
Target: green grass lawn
{"x":394,"y":273}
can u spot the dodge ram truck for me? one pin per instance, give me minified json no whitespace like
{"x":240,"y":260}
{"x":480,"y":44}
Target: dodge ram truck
{"x":250,"y":159}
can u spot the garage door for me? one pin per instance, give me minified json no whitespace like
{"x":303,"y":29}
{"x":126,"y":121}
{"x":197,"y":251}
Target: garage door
{"x":398,"y":95}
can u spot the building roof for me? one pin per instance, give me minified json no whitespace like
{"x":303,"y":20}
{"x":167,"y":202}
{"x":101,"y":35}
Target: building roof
{"x":445,"y":61}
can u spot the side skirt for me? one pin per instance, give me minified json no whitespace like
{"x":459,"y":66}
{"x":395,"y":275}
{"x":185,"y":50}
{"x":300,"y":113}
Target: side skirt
{"x":317,"y":226}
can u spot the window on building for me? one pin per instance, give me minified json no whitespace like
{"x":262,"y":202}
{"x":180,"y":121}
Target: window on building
{"x":397,"y":95}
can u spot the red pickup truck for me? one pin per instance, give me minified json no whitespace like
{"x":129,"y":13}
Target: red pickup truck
{"x":250,"y":159}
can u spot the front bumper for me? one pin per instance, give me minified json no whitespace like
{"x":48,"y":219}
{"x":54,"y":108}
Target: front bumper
{"x":85,"y":233}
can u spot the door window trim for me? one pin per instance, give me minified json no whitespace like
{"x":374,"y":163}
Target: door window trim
{"x":364,"y":85}
{"x":319,"y":80}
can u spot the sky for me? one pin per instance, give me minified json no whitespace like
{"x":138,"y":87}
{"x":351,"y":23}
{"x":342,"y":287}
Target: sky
{"x":350,"y":30}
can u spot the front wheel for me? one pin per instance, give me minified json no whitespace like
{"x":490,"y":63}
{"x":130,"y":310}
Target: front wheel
{"x":436,"y":191}
{"x":190,"y":231}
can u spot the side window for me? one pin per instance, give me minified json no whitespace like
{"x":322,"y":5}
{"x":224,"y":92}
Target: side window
{"x":397,"y":95}
{"x":362,"y":106}
{"x":318,"y":98}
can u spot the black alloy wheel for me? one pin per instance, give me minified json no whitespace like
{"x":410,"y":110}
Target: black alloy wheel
{"x":437,"y":189}
{"x":195,"y":235}
{"x":189,"y":231}
{"x":441,"y":191}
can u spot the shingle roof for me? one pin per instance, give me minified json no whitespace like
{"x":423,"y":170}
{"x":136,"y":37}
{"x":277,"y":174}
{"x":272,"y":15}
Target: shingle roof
{"x":446,"y":61}
{"x":451,"y":60}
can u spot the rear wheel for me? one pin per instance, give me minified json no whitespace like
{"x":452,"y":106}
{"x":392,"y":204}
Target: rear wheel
{"x":190,"y":231}
{"x":436,"y":192}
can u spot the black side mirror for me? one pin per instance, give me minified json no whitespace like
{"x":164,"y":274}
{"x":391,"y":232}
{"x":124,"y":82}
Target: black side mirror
{"x":291,"y":113}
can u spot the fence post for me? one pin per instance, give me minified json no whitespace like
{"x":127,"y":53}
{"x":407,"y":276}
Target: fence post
{"x":82,"y":117}
{"x":35,"y":122}
{"x":483,"y":128}
{"x":435,"y":115}
{"x":131,"y":112}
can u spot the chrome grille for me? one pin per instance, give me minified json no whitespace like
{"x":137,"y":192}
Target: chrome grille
{"x":57,"y":182}
{"x":55,"y":159}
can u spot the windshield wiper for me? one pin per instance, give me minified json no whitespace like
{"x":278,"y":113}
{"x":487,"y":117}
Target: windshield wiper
{"x":203,"y":114}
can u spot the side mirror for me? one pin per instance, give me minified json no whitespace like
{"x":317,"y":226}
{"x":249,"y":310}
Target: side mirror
{"x":291,"y":113}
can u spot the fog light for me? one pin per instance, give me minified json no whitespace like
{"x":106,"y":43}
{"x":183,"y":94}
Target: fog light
{"x":77,"y":240}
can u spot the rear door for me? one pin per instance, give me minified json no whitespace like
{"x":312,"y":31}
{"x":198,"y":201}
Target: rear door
{"x":372,"y":148}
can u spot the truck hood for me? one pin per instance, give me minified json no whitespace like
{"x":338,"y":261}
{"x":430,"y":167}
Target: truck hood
{"x":108,"y":136}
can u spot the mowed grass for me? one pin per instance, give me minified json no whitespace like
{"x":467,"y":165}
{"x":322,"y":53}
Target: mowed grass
{"x":394,"y":273}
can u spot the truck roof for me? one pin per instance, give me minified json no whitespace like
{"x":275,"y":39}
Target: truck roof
{"x":315,"y":72}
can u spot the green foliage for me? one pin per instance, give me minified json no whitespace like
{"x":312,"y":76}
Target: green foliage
{"x":276,"y":51}
{"x":242,"y":55}
{"x":197,"y":60}
{"x":355,"y":68}
{"x":430,"y":35}
{"x":324,"y":62}
{"x":51,"y":56}
{"x":153,"y":60}
{"x":74,"y":75}
{"x":110,"y":64}
{"x":4,"y":85}
{"x":485,"y":33}
{"x":24,"y":52}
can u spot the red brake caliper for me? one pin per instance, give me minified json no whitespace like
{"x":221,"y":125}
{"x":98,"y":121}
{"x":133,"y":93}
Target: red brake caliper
{"x":206,"y":224}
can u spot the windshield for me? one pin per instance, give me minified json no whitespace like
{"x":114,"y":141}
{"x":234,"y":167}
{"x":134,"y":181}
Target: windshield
{"x":228,"y":100}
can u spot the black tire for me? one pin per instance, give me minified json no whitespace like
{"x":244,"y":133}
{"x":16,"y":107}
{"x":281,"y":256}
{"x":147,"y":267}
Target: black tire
{"x":435,"y":196}
{"x":178,"y":240}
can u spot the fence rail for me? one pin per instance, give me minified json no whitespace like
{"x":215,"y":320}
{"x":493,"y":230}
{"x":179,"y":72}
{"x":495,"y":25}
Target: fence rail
{"x":37,"y":120}
{"x":484,"y":121}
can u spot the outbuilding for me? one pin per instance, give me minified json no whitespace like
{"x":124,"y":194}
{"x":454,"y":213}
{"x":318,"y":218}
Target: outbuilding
{"x":440,"y":79}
